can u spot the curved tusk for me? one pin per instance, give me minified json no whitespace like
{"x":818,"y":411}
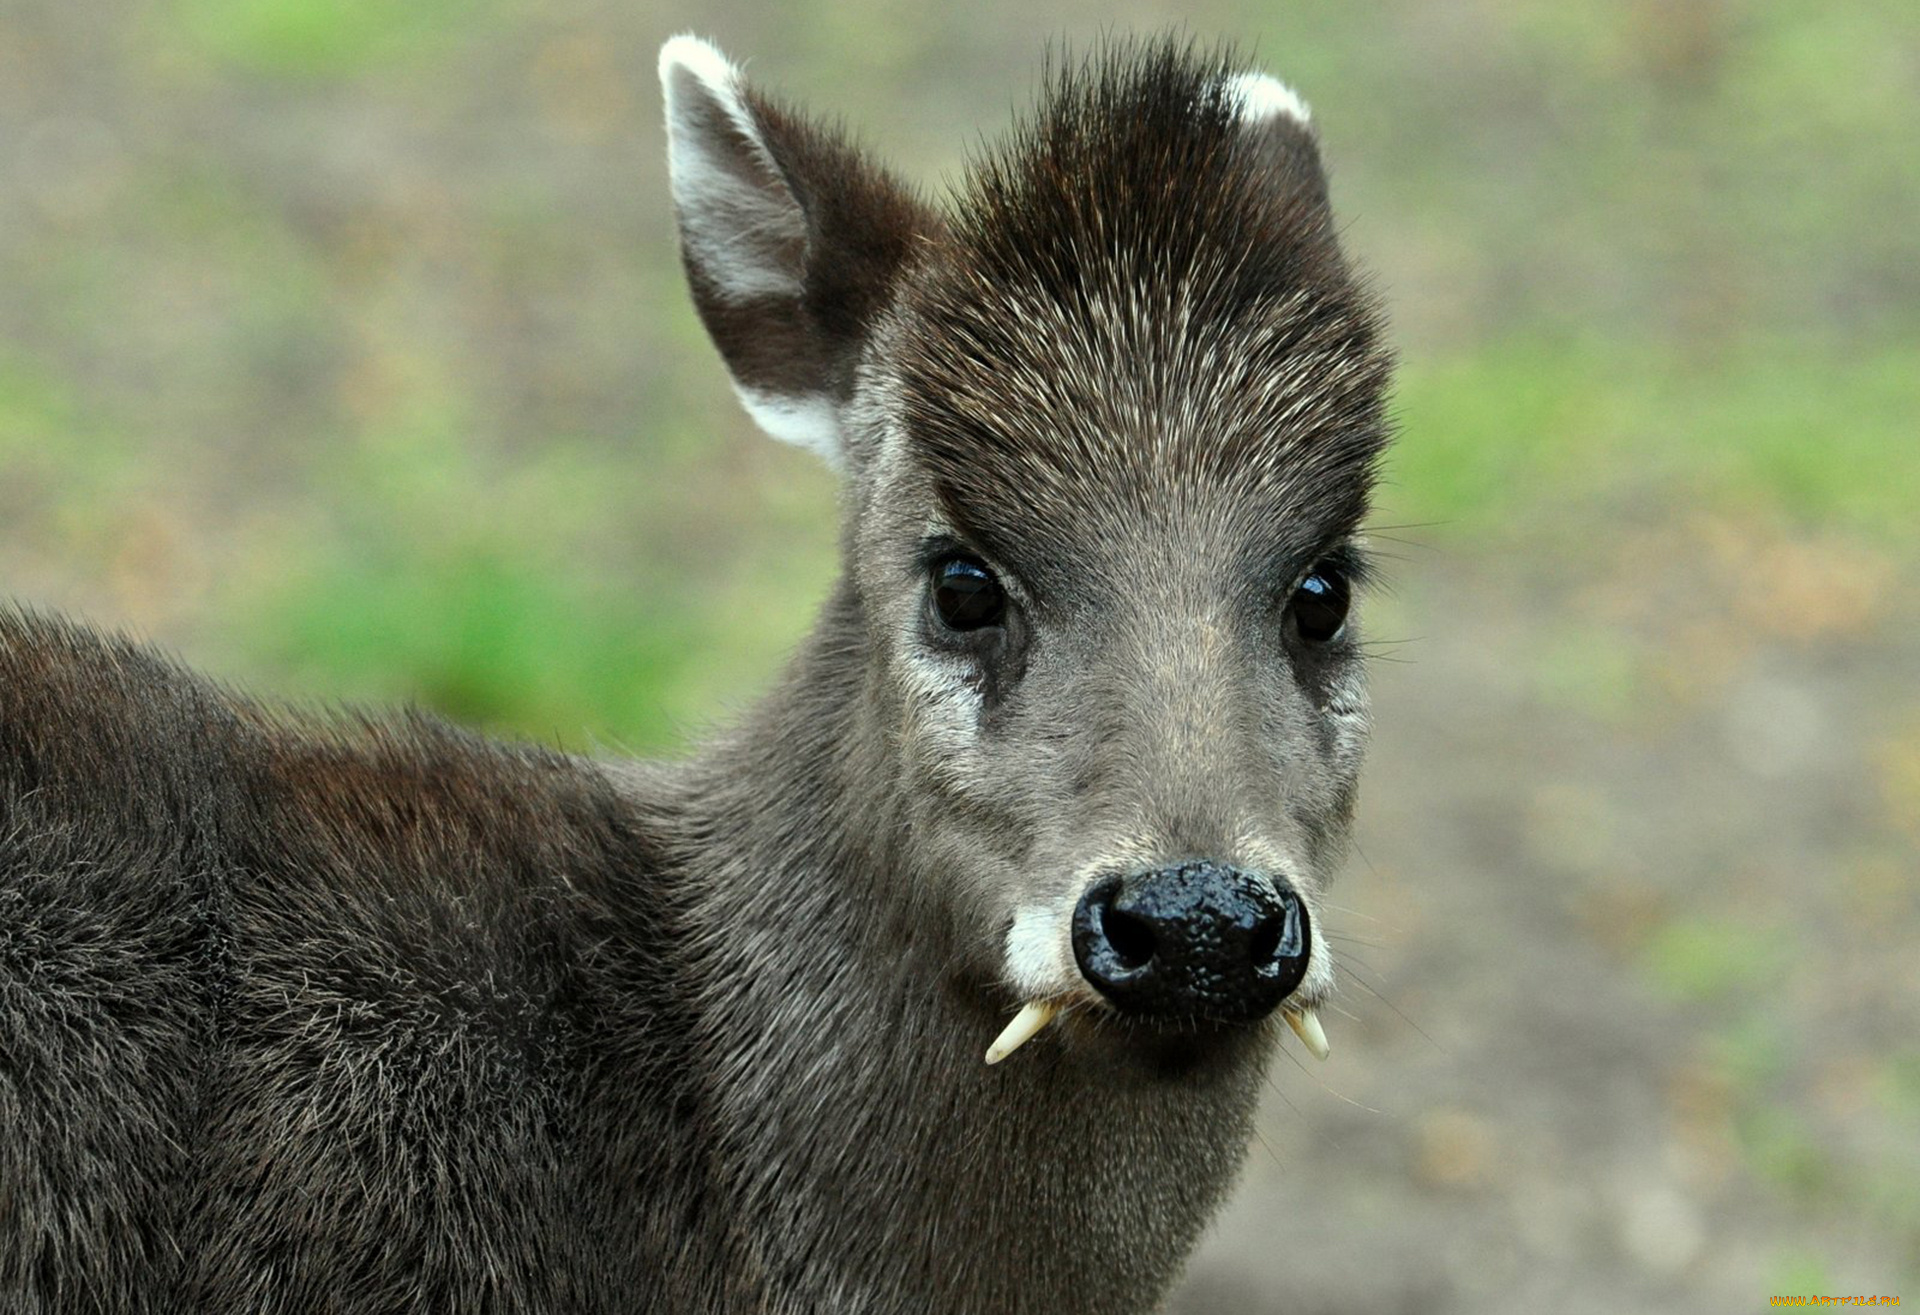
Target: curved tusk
{"x":1306,"y":1025}
{"x":1033,"y":1016}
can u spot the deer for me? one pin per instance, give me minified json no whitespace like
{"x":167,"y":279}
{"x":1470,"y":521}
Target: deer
{"x":947,"y":978}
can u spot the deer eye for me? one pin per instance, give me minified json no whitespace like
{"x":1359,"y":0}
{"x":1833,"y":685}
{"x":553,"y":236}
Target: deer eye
{"x":966,"y":595}
{"x":1319,"y":605}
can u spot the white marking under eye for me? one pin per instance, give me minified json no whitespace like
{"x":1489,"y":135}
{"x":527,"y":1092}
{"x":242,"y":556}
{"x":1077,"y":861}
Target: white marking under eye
{"x":939,"y":683}
{"x":943,"y":716}
{"x":1261,"y":98}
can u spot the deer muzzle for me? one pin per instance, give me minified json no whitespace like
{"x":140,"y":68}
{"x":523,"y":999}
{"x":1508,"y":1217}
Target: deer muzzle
{"x":1201,"y":941}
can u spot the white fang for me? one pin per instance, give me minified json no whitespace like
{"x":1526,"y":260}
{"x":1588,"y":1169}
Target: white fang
{"x":1035,"y":1015}
{"x":1306,"y":1025}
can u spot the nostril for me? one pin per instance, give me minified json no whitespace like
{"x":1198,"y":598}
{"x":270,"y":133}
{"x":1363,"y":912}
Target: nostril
{"x":1115,"y":949}
{"x":1131,"y":938}
{"x":1266,"y":940}
{"x":1278,"y":945}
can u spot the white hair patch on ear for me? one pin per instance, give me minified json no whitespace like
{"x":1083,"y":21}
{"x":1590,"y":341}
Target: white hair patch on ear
{"x":810,"y":422}
{"x":700,"y":57}
{"x":1261,"y":98}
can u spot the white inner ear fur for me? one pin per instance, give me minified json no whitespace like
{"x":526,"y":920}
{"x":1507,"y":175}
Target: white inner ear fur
{"x":736,"y":212}
{"x":1261,"y":98}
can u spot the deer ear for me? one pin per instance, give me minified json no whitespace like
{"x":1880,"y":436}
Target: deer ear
{"x":1278,"y":125}
{"x":792,"y":243}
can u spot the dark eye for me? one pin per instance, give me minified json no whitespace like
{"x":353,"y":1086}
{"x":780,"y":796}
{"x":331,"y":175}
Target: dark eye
{"x":966,"y":595}
{"x":1319,"y":605}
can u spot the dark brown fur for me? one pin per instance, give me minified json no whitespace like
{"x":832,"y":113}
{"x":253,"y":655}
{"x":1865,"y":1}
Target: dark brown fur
{"x":313,"y":1017}
{"x":379,"y":1016}
{"x":1127,"y":232}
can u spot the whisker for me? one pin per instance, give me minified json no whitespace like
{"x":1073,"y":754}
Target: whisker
{"x":1360,"y":978}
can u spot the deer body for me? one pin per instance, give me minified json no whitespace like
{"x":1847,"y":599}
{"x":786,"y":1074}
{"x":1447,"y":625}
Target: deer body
{"x":379,"y":1015}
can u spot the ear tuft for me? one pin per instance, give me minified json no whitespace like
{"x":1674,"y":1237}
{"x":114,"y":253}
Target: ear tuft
{"x":1260,"y":98}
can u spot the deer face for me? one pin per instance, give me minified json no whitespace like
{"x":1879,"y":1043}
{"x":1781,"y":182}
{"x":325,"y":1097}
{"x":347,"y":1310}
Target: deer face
{"x":1109,"y":425}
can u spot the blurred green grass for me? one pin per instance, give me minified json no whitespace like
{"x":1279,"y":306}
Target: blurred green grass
{"x":1526,"y":432}
{"x":319,"y":39}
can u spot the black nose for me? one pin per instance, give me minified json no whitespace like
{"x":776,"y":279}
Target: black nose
{"x":1197,"y":941}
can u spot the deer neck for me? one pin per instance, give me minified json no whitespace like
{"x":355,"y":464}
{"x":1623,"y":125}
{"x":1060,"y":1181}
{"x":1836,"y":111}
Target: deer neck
{"x":847,"y":1041}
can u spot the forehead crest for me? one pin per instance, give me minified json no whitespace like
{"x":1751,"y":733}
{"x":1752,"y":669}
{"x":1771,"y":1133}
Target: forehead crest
{"x":1142,"y":289}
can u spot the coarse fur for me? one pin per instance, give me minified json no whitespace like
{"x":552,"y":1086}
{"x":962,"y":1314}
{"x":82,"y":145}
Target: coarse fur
{"x":377,"y":1015}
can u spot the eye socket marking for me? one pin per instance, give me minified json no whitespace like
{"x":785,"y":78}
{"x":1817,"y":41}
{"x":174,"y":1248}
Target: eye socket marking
{"x":966,"y":596}
{"x":1320,"y":603}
